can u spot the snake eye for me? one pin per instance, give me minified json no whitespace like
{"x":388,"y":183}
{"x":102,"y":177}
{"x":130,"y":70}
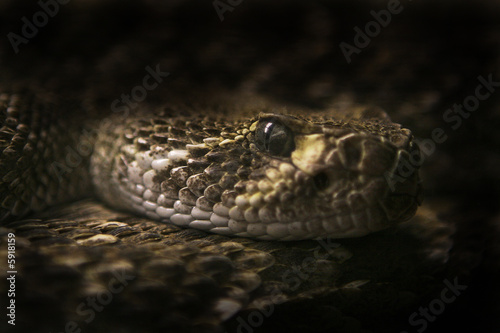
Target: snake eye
{"x":273,"y":137}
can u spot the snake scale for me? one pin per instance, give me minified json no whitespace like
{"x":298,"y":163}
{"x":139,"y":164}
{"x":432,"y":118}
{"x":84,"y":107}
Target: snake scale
{"x":257,"y":187}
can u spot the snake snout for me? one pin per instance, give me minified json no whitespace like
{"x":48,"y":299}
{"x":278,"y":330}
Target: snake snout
{"x":361,"y":179}
{"x":404,"y":188}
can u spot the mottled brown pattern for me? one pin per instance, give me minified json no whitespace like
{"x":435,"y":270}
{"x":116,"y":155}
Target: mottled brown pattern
{"x":276,"y":54}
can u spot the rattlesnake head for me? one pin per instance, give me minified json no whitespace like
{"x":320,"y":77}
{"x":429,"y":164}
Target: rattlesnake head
{"x":270,"y":176}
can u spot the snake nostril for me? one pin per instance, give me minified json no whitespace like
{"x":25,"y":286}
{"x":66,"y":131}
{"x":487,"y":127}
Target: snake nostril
{"x":321,"y":181}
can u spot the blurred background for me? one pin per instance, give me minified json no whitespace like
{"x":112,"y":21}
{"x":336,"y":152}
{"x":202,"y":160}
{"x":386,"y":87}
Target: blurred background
{"x":426,"y":59}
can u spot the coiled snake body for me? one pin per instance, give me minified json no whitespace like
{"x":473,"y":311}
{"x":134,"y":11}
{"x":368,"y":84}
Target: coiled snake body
{"x":233,"y":213}
{"x":264,"y":175}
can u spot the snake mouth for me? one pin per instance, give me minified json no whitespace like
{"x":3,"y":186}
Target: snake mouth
{"x":362,"y":215}
{"x":356,"y":224}
{"x":349,"y":225}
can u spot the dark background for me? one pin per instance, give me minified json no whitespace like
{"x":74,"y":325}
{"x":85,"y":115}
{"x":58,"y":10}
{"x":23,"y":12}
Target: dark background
{"x":428,"y":58}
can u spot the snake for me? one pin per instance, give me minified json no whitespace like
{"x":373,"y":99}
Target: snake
{"x":218,"y":210}
{"x":263,"y":175}
{"x":270,"y":176}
